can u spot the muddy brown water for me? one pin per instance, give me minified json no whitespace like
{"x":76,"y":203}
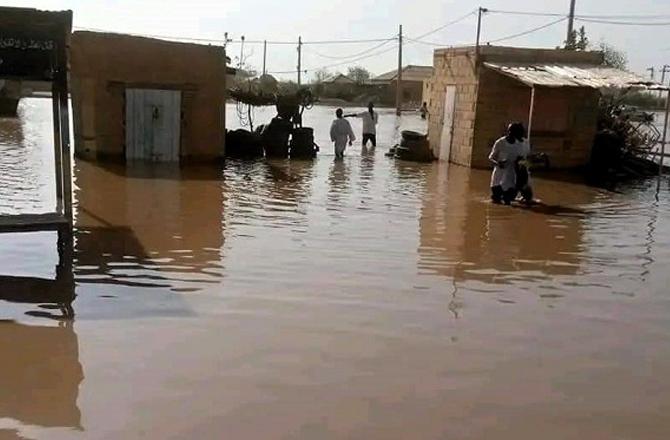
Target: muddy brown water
{"x":360,"y":299}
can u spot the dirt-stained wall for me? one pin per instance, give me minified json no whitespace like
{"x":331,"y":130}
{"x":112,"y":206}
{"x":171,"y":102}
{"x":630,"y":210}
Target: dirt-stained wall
{"x":104,"y":65}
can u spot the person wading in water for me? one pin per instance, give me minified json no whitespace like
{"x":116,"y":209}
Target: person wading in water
{"x":510,"y":173}
{"x":370,"y":119}
{"x":340,"y":133}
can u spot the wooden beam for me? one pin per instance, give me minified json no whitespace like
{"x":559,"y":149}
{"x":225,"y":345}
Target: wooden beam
{"x":66,"y":152}
{"x":58,"y":161}
{"x":32,"y":222}
{"x":530,"y":114}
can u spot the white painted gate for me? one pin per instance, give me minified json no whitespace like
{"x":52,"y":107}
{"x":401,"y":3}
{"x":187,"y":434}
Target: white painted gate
{"x":153,"y":123}
{"x":447,"y":123}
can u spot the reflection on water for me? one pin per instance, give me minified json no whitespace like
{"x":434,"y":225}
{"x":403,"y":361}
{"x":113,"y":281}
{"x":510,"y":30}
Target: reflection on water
{"x":465,"y":237}
{"x":26,"y":169}
{"x":41,"y":374}
{"x":358,"y":298}
{"x":148,"y":226}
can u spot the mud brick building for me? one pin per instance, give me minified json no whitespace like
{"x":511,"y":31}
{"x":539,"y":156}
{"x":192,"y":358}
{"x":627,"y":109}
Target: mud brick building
{"x":553,"y":92}
{"x":147,"y":99}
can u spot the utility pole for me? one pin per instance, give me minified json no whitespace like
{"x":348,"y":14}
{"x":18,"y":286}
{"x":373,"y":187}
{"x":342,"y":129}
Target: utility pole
{"x":571,"y":21}
{"x":265,"y":54}
{"x":241,"y":63}
{"x":299,"y":59}
{"x":666,"y":69}
{"x":398,"y":83}
{"x":481,"y":11}
{"x":651,"y":71}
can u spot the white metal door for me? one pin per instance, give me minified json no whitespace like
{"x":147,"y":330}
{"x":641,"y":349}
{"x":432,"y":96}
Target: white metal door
{"x":447,"y":123}
{"x":153,"y":122}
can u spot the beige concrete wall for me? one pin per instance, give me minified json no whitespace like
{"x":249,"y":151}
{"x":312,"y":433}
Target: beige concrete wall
{"x":104,"y":65}
{"x":486,"y":101}
{"x":457,"y":68}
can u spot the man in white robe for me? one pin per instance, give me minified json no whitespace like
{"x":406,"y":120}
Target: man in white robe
{"x":341,"y":133}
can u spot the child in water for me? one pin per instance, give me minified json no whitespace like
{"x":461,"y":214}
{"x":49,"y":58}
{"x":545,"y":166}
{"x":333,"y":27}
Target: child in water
{"x":340,"y":133}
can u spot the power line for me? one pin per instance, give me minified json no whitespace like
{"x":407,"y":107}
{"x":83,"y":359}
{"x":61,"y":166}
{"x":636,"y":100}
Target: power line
{"x":585,"y":16}
{"x":355,"y":59}
{"x":373,"y":40}
{"x":330,"y":57}
{"x":458,"y":20}
{"x":434,"y":44}
{"x":426,"y":43}
{"x":328,"y":66}
{"x":529,"y":31}
{"x":233,"y":41}
{"x":623,"y":23}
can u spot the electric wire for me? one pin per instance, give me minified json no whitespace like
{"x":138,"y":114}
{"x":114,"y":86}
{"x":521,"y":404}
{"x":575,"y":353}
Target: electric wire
{"x":527,"y":32}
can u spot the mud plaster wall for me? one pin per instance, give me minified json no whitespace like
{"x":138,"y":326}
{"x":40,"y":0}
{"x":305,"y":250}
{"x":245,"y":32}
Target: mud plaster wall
{"x":104,"y":65}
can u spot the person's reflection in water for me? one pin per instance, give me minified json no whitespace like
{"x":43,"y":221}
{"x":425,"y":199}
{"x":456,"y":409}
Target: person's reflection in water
{"x":367,"y":164}
{"x":473,"y":240}
{"x":338,"y":181}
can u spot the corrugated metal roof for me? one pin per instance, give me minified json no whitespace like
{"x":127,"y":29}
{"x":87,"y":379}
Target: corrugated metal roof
{"x":573,"y":75}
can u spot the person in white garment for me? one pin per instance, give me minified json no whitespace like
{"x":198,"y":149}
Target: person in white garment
{"x":341,"y":133}
{"x":505,"y":155}
{"x":370,"y":119}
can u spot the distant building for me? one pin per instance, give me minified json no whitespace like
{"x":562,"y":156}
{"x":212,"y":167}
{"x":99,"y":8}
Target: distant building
{"x":413,"y":80}
{"x":553,"y":92}
{"x":340,"y":79}
{"x":147,"y":99}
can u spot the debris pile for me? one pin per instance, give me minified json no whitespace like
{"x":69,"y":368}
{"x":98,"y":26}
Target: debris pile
{"x":625,"y":146}
{"x":283,"y":136}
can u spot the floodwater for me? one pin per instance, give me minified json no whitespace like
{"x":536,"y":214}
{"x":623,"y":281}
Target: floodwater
{"x":361,"y":299}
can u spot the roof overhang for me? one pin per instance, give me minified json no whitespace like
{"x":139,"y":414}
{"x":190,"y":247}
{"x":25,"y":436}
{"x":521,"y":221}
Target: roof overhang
{"x":573,"y":75}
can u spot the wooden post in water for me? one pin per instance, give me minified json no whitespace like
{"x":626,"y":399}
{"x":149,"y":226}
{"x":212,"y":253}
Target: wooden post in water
{"x":58,"y":158}
{"x":63,"y":95}
{"x":663,"y":139}
{"x":398,"y":83}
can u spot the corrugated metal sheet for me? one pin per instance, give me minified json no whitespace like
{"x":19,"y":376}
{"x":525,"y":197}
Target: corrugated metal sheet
{"x":555,"y":75}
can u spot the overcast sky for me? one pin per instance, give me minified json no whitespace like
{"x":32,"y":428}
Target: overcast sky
{"x":364,"y":19}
